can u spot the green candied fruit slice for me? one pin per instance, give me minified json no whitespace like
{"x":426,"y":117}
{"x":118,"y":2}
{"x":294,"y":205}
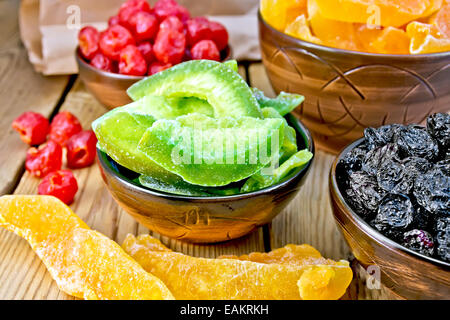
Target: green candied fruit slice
{"x":259,"y":181}
{"x":174,"y":186}
{"x":213,"y":152}
{"x":118,"y":134}
{"x":120,"y":130}
{"x":289,"y":146}
{"x":179,"y":186}
{"x":167,"y":108}
{"x":232,"y":64}
{"x":215,"y":82}
{"x":284,"y":103}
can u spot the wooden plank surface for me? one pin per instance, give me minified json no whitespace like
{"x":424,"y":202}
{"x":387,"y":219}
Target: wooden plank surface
{"x":21,"y":89}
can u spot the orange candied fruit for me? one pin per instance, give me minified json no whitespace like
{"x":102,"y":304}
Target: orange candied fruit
{"x":280,"y":13}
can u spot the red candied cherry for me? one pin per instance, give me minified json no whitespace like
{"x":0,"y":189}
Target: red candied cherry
{"x":45,"y":159}
{"x":129,"y":8}
{"x":88,"y":38}
{"x":198,"y":29}
{"x":219,"y":35}
{"x":60,"y":184}
{"x":32,"y":127}
{"x":169,"y":46}
{"x":63,"y":126}
{"x":166,"y":8}
{"x":114,"y":20}
{"x":144,"y":26}
{"x":102,"y":62}
{"x":157,"y":66}
{"x":132,"y":62}
{"x":146,"y":49}
{"x":81,"y":149}
{"x":205,"y":49}
{"x":113,"y":40}
{"x":172,"y":23}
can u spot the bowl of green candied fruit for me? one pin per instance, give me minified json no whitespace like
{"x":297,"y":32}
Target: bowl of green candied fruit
{"x":200,"y":156}
{"x":390,"y":192}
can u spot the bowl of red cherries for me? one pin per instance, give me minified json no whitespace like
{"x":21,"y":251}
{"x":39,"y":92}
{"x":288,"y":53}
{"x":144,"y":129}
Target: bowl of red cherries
{"x":142,"y":40}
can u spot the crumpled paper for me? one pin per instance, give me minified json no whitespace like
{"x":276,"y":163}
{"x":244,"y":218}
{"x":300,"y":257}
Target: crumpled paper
{"x":49,"y":28}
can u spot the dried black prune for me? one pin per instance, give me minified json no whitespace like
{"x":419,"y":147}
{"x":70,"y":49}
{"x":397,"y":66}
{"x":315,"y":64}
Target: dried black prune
{"x":432,"y":191}
{"x":378,"y":137}
{"x":366,"y":191}
{"x":443,"y":238}
{"x":412,"y":167}
{"x":394,"y":215}
{"x":444,"y":166}
{"x":353,"y":160}
{"x":438,"y":126}
{"x":390,"y":175}
{"x":420,"y":241}
{"x":414,"y":141}
{"x":378,"y":157}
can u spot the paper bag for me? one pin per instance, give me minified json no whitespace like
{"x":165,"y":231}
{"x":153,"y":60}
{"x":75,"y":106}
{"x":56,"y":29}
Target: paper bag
{"x":49,"y":28}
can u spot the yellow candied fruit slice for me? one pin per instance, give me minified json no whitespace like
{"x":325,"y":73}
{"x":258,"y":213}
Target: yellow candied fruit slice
{"x":441,"y":19}
{"x":299,"y":29}
{"x":280,"y":13}
{"x":394,"y":13}
{"x":275,"y":276}
{"x":391,"y":40}
{"x":325,"y":282}
{"x":83,"y":262}
{"x":426,"y":38}
{"x":332,"y":33}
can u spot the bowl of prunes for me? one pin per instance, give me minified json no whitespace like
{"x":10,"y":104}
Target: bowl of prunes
{"x":390,"y":192}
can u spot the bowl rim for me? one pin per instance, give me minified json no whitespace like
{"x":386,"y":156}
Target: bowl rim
{"x":307,"y":137}
{"x":363,"y":225}
{"x":81,"y":61}
{"x":382,"y":56}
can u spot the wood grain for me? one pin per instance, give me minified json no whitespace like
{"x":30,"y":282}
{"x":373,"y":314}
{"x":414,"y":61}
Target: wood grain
{"x":21,"y":89}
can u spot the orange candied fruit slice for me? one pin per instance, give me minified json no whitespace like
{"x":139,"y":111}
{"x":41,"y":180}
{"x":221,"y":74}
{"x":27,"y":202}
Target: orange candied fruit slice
{"x":280,"y":13}
{"x":299,"y":29}
{"x":282,"y":274}
{"x":83,"y":262}
{"x":442,"y":19}
{"x":388,"y":40}
{"x":426,"y":38}
{"x":394,"y":13}
{"x":332,"y":33}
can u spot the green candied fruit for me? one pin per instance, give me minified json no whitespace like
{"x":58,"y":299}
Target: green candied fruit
{"x":213,"y":152}
{"x":232,"y":64}
{"x":284,"y":103}
{"x":259,"y":180}
{"x":223,"y":88}
{"x":120,"y":130}
{"x":289,"y":146}
{"x":176,"y":185}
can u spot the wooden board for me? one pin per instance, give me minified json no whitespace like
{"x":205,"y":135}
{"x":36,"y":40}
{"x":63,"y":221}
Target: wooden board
{"x":21,"y":89}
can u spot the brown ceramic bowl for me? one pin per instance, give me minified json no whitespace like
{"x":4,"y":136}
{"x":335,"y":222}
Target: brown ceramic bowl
{"x":110,"y":89}
{"x":407,"y":273}
{"x":347,"y":91}
{"x":203,"y":219}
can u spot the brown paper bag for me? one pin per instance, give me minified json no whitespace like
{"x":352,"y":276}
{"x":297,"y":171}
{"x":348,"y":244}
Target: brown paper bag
{"x":49,"y":28}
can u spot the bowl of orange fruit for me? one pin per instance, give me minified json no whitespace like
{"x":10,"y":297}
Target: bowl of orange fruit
{"x":358,"y":63}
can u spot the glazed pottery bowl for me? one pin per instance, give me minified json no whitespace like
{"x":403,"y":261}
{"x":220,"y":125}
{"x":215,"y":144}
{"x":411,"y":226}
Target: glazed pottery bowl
{"x":204,"y":219}
{"x":347,"y":91}
{"x":110,"y":89}
{"x":406,"y":273}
